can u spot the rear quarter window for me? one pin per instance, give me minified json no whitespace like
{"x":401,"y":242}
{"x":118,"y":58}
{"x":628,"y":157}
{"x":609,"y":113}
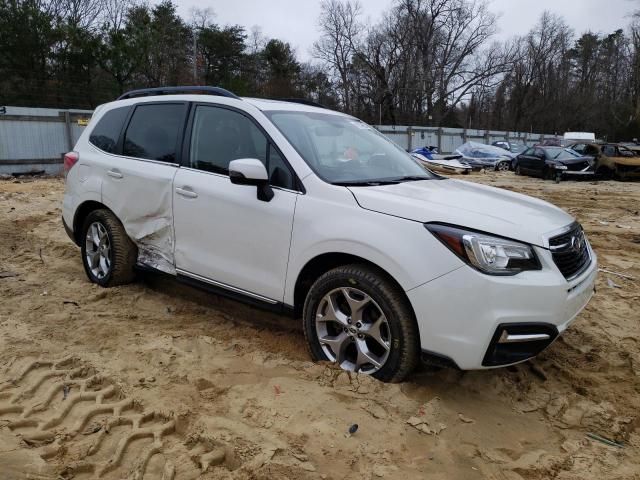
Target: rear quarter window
{"x":107,"y":131}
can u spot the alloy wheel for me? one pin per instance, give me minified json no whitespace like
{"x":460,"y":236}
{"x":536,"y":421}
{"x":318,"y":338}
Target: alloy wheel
{"x":352,"y":330}
{"x":98,"y":250}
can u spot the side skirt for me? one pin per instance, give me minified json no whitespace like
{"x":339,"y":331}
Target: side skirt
{"x":270,"y":306}
{"x":236,"y":294}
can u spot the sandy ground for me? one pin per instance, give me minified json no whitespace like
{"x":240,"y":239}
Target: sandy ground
{"x":158,"y":380}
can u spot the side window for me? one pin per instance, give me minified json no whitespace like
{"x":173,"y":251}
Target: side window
{"x":609,"y":150}
{"x":153,"y":132}
{"x":539,"y":153}
{"x":106,"y":133}
{"x":220,"y":135}
{"x":528,"y":151}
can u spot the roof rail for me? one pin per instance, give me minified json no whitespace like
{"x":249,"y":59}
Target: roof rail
{"x":144,"y":92}
{"x":302,"y":101}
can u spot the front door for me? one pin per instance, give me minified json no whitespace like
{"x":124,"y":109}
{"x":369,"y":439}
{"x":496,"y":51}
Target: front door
{"x":538,"y":162}
{"x":225,"y":235}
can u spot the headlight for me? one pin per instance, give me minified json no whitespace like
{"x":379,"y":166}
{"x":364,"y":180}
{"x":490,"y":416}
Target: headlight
{"x":487,"y":253}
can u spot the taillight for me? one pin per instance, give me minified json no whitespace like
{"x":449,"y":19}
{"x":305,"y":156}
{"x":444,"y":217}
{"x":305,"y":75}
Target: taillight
{"x":70,"y":159}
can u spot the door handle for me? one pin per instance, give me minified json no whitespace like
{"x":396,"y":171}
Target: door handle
{"x":114,"y":173}
{"x":186,"y":192}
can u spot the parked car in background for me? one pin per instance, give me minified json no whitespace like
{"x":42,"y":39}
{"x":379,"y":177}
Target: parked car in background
{"x":553,"y":163}
{"x":572,"y":137}
{"x":479,"y":155}
{"x":550,"y":142}
{"x":633,"y":146}
{"x":311,"y":212}
{"x":515,"y":148}
{"x":612,"y":160}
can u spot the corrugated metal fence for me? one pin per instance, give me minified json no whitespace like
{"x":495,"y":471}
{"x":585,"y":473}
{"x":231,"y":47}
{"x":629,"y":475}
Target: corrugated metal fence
{"x":448,"y":139}
{"x":35,"y":139}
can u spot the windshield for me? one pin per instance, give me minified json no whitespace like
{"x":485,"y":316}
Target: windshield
{"x":625,"y":152}
{"x":561,"y":153}
{"x":344,"y":150}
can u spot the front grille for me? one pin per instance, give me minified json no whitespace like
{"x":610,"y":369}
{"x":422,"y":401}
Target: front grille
{"x":570,"y":252}
{"x":577,"y":167}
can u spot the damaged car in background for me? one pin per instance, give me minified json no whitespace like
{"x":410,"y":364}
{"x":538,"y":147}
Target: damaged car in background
{"x":310,"y":212}
{"x":480,"y":156}
{"x":553,"y":163}
{"x":432,"y":160}
{"x":612,"y":160}
{"x":514,"y":148}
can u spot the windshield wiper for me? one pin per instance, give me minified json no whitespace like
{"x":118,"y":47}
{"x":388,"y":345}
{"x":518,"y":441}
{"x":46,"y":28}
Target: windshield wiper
{"x":411,"y":178}
{"x":365,"y":183}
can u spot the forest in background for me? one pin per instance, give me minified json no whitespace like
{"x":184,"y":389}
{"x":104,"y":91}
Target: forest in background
{"x":425,"y":62}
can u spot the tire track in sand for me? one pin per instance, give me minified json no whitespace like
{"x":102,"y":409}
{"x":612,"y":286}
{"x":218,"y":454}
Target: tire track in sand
{"x":81,"y":421}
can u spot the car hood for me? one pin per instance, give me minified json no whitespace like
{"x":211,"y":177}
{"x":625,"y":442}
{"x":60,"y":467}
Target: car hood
{"x":466,"y":204}
{"x":571,"y":161}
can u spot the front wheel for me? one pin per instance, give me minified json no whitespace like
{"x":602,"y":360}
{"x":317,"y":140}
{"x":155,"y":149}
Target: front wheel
{"x":358,"y":318}
{"x":518,"y":170}
{"x":503,"y":166}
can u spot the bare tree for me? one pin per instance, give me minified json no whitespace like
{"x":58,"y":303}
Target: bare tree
{"x":340,"y":29}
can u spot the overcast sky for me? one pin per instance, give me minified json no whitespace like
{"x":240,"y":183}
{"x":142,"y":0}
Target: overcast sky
{"x":295,"y":21}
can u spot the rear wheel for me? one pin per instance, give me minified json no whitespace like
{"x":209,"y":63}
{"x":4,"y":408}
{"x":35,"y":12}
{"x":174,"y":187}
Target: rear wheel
{"x":108,"y":254}
{"x":358,"y":318}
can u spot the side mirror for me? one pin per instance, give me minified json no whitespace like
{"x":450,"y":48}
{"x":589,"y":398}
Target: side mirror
{"x":251,"y":171}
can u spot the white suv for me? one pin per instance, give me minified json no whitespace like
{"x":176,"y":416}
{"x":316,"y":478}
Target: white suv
{"x":308,"y":211}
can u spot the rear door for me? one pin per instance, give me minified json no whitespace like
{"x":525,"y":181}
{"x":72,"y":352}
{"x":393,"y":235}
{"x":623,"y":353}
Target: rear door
{"x":137,"y":180}
{"x":225,"y":235}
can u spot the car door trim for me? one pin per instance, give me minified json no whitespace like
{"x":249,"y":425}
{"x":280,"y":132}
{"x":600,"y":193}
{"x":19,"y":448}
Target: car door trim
{"x":215,"y":283}
{"x":222,"y":175}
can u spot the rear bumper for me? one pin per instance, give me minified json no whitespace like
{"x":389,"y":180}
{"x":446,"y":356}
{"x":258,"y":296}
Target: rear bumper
{"x":463,"y":315}
{"x":69,"y":231}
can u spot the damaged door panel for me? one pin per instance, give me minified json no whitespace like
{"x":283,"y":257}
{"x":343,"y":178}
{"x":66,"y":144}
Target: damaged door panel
{"x":141,"y":196}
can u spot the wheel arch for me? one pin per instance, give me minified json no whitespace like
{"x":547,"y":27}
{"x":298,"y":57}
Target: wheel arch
{"x":82,"y":212}
{"x":324,"y":262}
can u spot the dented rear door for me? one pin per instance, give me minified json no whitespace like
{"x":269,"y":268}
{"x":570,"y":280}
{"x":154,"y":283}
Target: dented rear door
{"x":137,"y":185}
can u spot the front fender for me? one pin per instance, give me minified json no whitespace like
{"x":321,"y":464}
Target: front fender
{"x":403,"y":248}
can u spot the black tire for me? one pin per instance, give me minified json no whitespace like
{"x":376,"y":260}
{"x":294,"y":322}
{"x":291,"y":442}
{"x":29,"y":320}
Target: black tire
{"x":502,"y":167}
{"x":518,"y":170}
{"x":123,"y":253}
{"x":604,"y":173}
{"x":405,"y":345}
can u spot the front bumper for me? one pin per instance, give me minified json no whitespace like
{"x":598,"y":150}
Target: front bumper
{"x":578,"y":173}
{"x":463,"y":314}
